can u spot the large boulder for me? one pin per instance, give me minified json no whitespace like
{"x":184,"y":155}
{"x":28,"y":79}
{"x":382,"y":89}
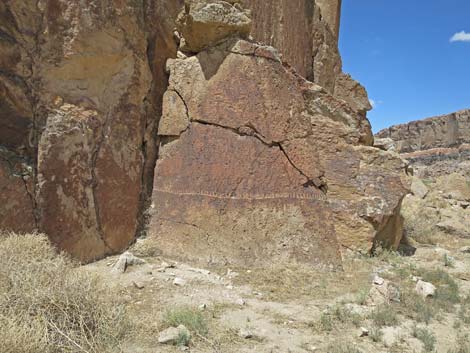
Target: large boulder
{"x":267,"y":166}
{"x":204,"y":23}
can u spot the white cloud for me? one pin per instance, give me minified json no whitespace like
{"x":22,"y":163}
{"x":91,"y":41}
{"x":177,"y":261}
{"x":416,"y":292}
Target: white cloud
{"x":460,"y":37}
{"x":372,"y":103}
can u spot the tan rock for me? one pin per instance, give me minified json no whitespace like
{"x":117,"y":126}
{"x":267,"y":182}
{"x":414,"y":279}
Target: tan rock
{"x":327,"y":64}
{"x":204,"y":23}
{"x":292,"y":36}
{"x":351,"y":91}
{"x":418,"y":188}
{"x":331,"y":12}
{"x":174,"y":119}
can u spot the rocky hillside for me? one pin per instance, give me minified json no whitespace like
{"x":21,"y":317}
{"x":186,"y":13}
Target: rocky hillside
{"x":225,"y":129}
{"x":434,"y":146}
{"x":438,"y":150}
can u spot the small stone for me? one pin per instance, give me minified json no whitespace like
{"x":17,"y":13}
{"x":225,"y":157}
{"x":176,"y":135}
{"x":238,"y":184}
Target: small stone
{"x":229,"y":287}
{"x":240,"y":302}
{"x":202,"y":307}
{"x":125,"y":260}
{"x":364,"y":332}
{"x":245,"y":333}
{"x":425,"y":289}
{"x":138,"y":285}
{"x":120,"y":266}
{"x":465,"y":250}
{"x":172,"y":334}
{"x":167,"y":265}
{"x":378,"y":280}
{"x":179,"y":281}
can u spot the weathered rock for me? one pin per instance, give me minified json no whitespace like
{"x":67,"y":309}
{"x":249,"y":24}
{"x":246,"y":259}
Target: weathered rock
{"x":83,"y":85}
{"x":16,"y":194}
{"x":125,"y":260}
{"x":425,"y":289}
{"x":418,"y":188}
{"x":327,"y":64}
{"x":382,"y":292}
{"x":292,"y":36}
{"x":435,"y":146}
{"x":269,"y":165}
{"x":351,"y":91}
{"x":331,"y":12}
{"x":444,"y":131}
{"x":465,"y":250}
{"x":386,"y":144}
{"x":205,"y":23}
{"x":245,"y":333}
{"x":172,"y":335}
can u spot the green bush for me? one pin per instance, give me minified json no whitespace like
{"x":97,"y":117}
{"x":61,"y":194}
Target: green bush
{"x":191,"y":318}
{"x":384,"y":315}
{"x":426,"y":337}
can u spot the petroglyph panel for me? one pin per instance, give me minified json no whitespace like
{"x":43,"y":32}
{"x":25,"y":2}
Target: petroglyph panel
{"x":234,"y":199}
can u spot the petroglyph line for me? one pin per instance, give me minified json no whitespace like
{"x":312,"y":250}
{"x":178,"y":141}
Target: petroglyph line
{"x":299,"y":196}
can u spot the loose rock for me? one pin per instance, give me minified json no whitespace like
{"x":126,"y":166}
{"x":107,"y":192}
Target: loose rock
{"x":172,"y":335}
{"x":425,"y":289}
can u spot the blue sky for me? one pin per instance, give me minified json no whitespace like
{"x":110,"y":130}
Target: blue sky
{"x":401,"y":51}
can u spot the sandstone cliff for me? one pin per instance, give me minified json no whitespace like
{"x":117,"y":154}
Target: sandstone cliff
{"x":434,"y":146}
{"x":252,"y":157}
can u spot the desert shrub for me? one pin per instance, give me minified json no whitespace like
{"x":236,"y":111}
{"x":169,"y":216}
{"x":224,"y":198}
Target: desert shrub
{"x":462,"y":345}
{"x":426,"y":337}
{"x":384,"y":315}
{"x":190,"y":317}
{"x":447,"y":290}
{"x":338,"y":314}
{"x":362,"y":295}
{"x":326,"y":322}
{"x":48,"y":305}
{"x":416,"y":307}
{"x":338,"y":347}
{"x":376,"y":334}
{"x":449,"y":261}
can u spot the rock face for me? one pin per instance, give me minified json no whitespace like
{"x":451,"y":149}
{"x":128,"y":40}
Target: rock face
{"x":255,"y":162}
{"x":77,"y":105}
{"x":293,"y":36}
{"x":438,"y":150}
{"x":16,"y":187}
{"x":269,"y":167}
{"x":434,"y":146}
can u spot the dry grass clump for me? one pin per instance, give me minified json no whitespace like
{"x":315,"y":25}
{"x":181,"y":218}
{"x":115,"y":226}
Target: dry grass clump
{"x":47,"y":305}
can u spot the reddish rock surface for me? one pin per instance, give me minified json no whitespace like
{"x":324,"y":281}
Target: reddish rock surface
{"x":16,"y":194}
{"x":268,"y":161}
{"x":83,"y":98}
{"x":251,"y":154}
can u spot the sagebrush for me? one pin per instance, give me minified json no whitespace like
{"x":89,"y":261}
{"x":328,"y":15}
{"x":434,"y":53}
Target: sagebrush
{"x":50,"y":305}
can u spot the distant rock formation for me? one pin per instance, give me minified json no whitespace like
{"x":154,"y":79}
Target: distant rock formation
{"x":434,"y":146}
{"x":262,"y":153}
